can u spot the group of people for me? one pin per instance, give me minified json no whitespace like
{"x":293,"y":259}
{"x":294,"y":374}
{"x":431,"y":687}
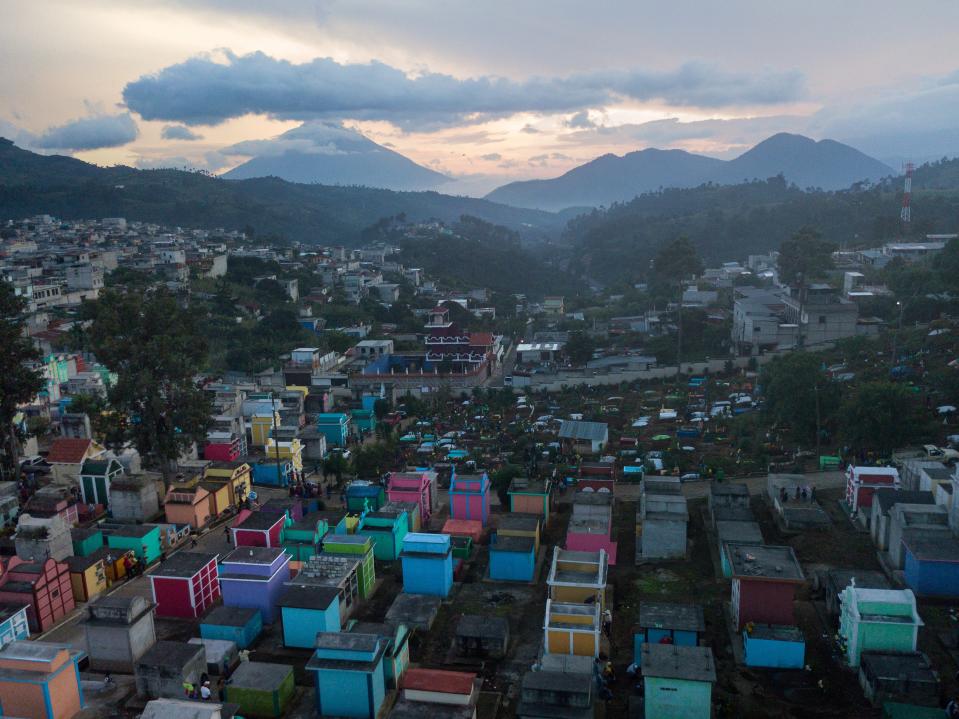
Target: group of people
{"x":201,"y":690}
{"x":800,"y":494}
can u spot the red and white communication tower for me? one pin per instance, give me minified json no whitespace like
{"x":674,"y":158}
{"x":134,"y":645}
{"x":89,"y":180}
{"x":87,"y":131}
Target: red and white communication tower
{"x":906,"y":214}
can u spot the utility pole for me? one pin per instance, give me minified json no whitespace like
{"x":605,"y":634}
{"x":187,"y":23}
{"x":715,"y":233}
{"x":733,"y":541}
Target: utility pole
{"x":815,"y":389}
{"x":276,"y":443}
{"x":679,"y":335}
{"x":895,"y":337}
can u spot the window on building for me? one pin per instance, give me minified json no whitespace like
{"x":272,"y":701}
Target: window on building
{"x":822,"y":319}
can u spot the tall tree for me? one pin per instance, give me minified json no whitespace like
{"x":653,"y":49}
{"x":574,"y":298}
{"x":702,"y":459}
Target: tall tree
{"x":882,"y":416}
{"x":790,"y":385}
{"x":675,"y":262}
{"x":156,"y":348}
{"x":579,"y":347}
{"x":19,"y":380}
{"x":804,"y":257}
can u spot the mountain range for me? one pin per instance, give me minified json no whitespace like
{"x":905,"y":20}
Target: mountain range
{"x":826,"y":164}
{"x":330,"y":154}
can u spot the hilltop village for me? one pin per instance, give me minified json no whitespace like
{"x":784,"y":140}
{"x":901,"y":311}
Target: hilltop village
{"x":400,"y":497}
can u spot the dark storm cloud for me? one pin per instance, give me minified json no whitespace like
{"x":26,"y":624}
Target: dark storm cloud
{"x":89,"y":133}
{"x":203,"y":91}
{"x":179,"y":132}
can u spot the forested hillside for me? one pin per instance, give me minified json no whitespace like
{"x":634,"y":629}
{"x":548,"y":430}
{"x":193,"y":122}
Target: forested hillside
{"x":71,"y":189}
{"x":731,"y":222}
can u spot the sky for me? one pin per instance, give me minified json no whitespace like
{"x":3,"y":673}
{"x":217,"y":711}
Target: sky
{"x":485,"y":91}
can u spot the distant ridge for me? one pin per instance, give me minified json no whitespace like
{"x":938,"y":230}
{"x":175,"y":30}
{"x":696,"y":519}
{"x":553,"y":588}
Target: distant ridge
{"x":825,"y":164}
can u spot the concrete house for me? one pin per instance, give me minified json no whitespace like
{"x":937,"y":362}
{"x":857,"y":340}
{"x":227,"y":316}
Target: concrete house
{"x":563,"y":688}
{"x":254,"y":577}
{"x":678,"y":681}
{"x":39,"y":538}
{"x":239,"y":625}
{"x":40,"y":680}
{"x":913,"y":521}
{"x":862,"y":483}
{"x":261,"y":689}
{"x":186,"y":585}
{"x":764,"y":583}
{"x":306,"y":611}
{"x":931,"y":566}
{"x":883,"y":502}
{"x":67,"y":456}
{"x":572,"y":628}
{"x":479,"y":636}
{"x":584,"y":437}
{"x":663,"y":519}
{"x":350,"y":676}
{"x":590,"y":528}
{"x":735,"y":533}
{"x":727,"y":495}
{"x":578,"y":577}
{"x":530,"y":496}
{"x":878,"y":620}
{"x":118,"y":631}
{"x":897,"y":677}
{"x":667,"y":623}
{"x":427,"y":564}
{"x":166,"y":667}
{"x":96,"y":478}
{"x":134,"y":498}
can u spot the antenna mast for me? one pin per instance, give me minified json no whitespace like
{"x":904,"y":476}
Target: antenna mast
{"x":906,"y":214}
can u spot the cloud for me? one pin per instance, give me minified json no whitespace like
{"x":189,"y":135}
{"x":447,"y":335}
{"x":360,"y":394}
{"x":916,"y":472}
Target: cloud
{"x":89,"y":133}
{"x":916,"y":122}
{"x":179,"y":132}
{"x":529,"y":129}
{"x":312,"y":138}
{"x":208,"y":90}
{"x":492,"y":157}
{"x":580,"y":120}
{"x":672,"y":131}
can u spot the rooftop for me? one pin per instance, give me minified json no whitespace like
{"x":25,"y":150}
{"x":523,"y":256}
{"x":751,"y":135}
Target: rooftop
{"x":517,"y":521}
{"x":578,"y":429}
{"x":306,"y":597}
{"x":260,"y":675}
{"x":183,"y":564}
{"x":413,"y":610}
{"x":667,"y":615}
{"x":929,"y":549}
{"x":913,"y":667}
{"x":348,"y":641}
{"x":474,"y":625}
{"x":66,"y":450}
{"x":513,"y":544}
{"x":764,"y":562}
{"x":748,"y":532}
{"x":776,"y":632}
{"x":171,"y":654}
{"x":888,"y":497}
{"x":224,"y":616}
{"x":671,"y":661}
{"x":253,"y":555}
{"x":733,"y":514}
{"x":261,"y":521}
{"x":438,"y":680}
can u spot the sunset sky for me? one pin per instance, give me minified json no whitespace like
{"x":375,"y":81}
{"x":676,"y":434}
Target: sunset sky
{"x":490,"y":89}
